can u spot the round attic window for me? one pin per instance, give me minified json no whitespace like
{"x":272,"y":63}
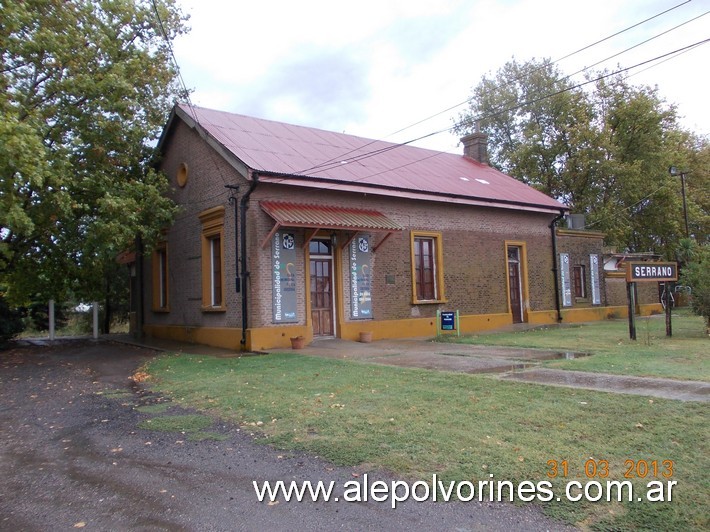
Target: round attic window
{"x":182,"y":174}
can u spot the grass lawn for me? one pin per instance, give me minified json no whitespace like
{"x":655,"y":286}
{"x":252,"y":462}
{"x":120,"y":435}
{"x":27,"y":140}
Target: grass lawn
{"x":653,"y":354}
{"x":415,"y":423}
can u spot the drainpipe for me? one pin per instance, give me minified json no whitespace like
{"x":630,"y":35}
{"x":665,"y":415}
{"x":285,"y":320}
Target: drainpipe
{"x":245,"y":273}
{"x":233,"y":201}
{"x":553,"y":227}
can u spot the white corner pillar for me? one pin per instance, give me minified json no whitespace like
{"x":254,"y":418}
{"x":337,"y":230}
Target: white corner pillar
{"x":51,"y":320}
{"x":95,"y":307}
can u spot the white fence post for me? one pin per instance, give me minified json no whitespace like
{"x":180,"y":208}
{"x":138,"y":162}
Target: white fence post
{"x":96,"y":319}
{"x":51,"y":319}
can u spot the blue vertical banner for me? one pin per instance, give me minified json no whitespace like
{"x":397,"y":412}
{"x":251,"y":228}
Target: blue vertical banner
{"x":283,"y":276}
{"x":594,"y":277}
{"x":360,"y":278}
{"x":566,"y":280}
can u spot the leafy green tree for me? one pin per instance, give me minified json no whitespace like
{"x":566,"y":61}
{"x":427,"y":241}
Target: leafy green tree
{"x":697,"y":185}
{"x":87,"y":86}
{"x":696,"y":274}
{"x":604,"y":150}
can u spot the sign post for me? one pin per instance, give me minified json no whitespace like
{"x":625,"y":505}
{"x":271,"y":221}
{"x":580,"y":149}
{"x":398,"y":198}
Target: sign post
{"x":667,"y":295}
{"x":630,"y":292}
{"x":649,"y":272}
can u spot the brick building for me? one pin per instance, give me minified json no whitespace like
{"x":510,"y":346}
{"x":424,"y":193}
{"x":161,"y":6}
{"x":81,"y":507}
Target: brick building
{"x":291,"y":231}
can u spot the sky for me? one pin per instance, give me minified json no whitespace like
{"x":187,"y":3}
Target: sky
{"x":395,"y":70}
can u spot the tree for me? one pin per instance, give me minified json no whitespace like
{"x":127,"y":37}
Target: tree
{"x":696,"y":274}
{"x":87,"y":86}
{"x":604,"y":151}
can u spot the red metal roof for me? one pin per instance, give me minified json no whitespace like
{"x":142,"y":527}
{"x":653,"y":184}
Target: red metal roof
{"x":308,"y":156}
{"x":327,"y":217}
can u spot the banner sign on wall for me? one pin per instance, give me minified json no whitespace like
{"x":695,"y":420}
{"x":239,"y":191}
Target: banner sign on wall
{"x":283,"y":261}
{"x":360,"y":278}
{"x":594,"y":277}
{"x":566,"y":280}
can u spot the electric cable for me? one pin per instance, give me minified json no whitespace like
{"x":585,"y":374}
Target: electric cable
{"x":468,"y":100}
{"x":186,"y":93}
{"x":518,"y":106}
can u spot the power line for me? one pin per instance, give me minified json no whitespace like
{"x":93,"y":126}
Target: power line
{"x":389,"y":147}
{"x":636,"y":45}
{"x":164,"y":33}
{"x":621,"y":212}
{"x":468,"y":100}
{"x":666,"y":59}
{"x":186,"y":92}
{"x":620,"y":32}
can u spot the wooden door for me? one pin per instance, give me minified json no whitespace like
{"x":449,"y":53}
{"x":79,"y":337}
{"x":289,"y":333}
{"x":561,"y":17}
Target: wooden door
{"x":514,"y":284}
{"x":322,"y":296}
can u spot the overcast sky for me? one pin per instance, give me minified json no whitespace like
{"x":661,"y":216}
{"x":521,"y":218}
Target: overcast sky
{"x":374,"y":67}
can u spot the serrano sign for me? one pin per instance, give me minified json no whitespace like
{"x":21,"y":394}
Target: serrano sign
{"x":651,"y":271}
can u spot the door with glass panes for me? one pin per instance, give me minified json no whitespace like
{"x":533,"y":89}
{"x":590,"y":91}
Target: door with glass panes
{"x":515,"y":284}
{"x":321,"y":274}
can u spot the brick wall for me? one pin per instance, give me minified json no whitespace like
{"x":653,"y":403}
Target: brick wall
{"x":646,"y":293}
{"x":473,"y":240}
{"x":208,"y":172}
{"x":580,"y":245}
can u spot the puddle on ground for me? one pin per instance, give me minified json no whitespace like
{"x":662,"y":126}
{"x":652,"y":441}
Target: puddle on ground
{"x":568,"y":355}
{"x":502,"y":369}
{"x":565,"y":355}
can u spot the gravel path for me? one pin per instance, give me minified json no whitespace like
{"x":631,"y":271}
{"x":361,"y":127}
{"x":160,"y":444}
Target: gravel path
{"x":72,"y":456}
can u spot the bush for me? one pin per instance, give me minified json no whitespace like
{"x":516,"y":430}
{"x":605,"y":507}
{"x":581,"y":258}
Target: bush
{"x":11,"y":322}
{"x":38,"y":314}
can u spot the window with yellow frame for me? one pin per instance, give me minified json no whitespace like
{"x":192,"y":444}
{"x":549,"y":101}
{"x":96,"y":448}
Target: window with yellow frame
{"x":427,"y":267}
{"x":213,"y":259}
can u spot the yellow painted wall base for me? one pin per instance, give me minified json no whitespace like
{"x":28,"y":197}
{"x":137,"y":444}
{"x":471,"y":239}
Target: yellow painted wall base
{"x":225,"y":337}
{"x":578,"y":315}
{"x":413,"y":327}
{"x":263,"y":338}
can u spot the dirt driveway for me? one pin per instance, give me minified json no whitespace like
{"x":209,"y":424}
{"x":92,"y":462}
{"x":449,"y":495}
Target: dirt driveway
{"x":72,"y":456}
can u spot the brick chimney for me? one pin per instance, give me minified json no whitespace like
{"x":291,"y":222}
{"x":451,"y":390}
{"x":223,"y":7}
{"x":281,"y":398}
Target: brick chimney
{"x":475,"y":146}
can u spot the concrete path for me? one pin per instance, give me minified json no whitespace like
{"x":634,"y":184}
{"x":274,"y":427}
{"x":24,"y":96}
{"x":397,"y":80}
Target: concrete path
{"x":509,"y":363}
{"x":605,"y":382}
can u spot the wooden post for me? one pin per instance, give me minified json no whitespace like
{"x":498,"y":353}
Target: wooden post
{"x":632,"y":310}
{"x":667,"y":294}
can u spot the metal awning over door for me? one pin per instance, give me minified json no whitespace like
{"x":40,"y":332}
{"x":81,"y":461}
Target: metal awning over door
{"x":330,"y":217}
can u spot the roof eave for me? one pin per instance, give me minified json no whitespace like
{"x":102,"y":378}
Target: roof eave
{"x":192,"y":122}
{"x":317,"y":182}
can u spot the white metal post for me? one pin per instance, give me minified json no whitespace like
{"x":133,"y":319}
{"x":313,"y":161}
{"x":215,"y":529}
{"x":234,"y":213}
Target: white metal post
{"x":95,"y":305}
{"x":51,"y":319}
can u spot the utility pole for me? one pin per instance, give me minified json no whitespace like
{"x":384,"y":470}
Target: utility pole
{"x":674,"y":172}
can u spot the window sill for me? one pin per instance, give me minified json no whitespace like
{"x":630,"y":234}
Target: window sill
{"x":429,"y":301}
{"x":214,"y":309}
